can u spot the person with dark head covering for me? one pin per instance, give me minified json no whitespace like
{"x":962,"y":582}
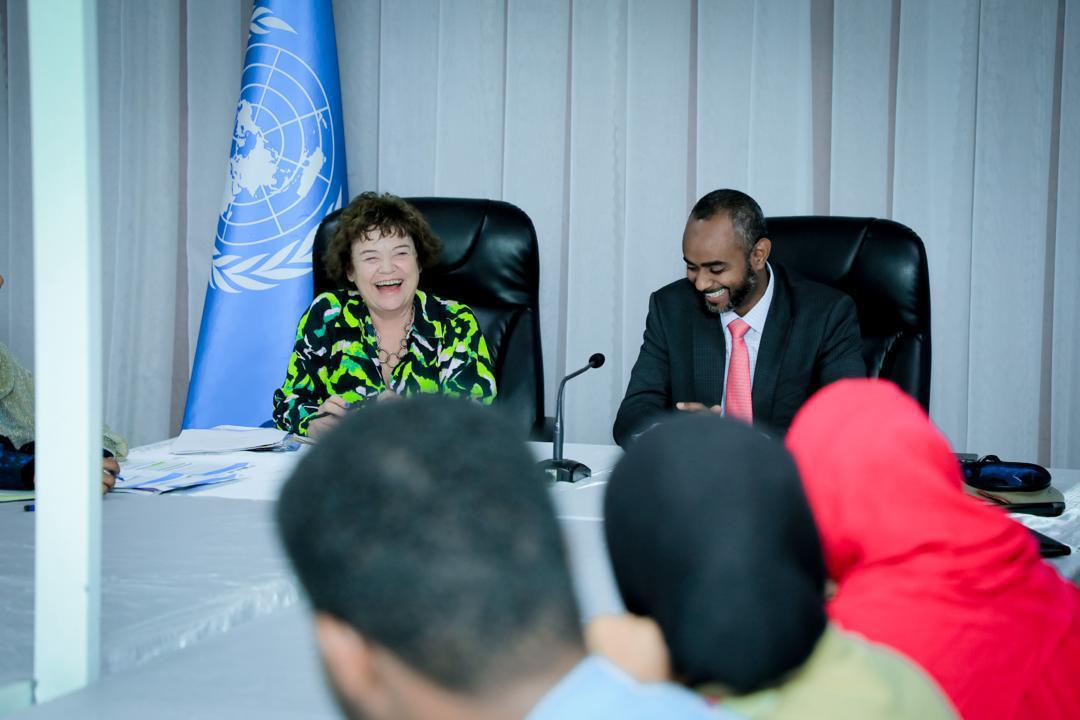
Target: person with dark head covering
{"x":427,"y":543}
{"x":951,"y":582}
{"x":711,"y":537}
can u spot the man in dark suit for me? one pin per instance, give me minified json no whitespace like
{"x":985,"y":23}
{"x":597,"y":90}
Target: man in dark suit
{"x":739,"y":335}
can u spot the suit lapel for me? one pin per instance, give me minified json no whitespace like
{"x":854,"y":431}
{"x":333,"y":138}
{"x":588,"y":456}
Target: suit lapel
{"x":773,"y":342}
{"x":709,"y":348}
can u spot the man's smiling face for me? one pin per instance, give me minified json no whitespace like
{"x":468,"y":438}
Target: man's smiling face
{"x":719,"y":266}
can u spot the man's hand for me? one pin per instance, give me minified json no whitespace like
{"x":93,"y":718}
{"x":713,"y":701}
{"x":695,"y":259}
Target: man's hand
{"x":633,"y":643}
{"x":698,"y":407}
{"x":330,"y":414}
{"x":110,"y":470}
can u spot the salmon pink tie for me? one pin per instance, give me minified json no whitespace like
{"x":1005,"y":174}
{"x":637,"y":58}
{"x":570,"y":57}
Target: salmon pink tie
{"x":737,"y":403}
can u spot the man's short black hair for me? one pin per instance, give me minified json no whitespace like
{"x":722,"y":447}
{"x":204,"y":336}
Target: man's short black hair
{"x":425,"y":525}
{"x":745,"y":213}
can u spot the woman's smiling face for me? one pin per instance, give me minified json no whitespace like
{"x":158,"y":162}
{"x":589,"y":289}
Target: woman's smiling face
{"x":385,"y":271}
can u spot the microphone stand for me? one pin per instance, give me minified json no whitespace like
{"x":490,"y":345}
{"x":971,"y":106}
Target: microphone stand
{"x":559,"y":468}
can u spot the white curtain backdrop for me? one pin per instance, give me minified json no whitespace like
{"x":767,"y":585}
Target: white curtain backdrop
{"x":604,"y":120}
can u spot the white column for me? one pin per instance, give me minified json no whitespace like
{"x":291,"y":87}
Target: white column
{"x":67,"y":344}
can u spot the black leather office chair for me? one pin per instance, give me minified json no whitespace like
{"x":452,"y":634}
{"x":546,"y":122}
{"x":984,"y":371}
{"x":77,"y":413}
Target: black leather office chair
{"x":882,"y":265}
{"x":491,"y":262}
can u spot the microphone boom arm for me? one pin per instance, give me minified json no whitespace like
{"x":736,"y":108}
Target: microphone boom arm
{"x":557,"y":438}
{"x":559,"y":468}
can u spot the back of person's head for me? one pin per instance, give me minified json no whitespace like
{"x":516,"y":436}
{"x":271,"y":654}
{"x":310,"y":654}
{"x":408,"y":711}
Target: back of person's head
{"x":424,"y":526}
{"x":711,"y":536}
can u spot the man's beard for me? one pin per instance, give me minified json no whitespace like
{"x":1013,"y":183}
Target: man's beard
{"x":737,"y":295}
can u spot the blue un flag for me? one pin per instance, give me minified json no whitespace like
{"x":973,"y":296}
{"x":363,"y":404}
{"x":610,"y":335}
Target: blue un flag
{"x":286,"y":171}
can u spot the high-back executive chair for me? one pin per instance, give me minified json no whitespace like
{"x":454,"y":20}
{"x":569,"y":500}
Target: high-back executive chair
{"x":881,"y":264}
{"x":491,"y":262}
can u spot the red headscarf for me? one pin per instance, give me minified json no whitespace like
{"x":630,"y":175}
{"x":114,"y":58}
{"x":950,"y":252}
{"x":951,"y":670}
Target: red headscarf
{"x":954,"y":584}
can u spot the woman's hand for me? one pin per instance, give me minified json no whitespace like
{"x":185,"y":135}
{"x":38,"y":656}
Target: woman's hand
{"x":330,"y":414}
{"x":110,"y":470}
{"x":633,"y":643}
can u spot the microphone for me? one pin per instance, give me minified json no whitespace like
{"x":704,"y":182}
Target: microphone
{"x":559,"y":468}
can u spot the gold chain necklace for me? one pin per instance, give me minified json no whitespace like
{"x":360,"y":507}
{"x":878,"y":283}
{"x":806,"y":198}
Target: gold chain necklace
{"x":386,"y":356}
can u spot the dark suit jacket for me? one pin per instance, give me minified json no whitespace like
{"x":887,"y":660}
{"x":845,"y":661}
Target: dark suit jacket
{"x":811,"y":338}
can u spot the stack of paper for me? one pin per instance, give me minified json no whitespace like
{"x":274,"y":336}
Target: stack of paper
{"x":162,"y":476}
{"x":229,"y":438}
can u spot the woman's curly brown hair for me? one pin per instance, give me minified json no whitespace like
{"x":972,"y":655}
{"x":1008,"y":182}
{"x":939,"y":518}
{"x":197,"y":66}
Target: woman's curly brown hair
{"x":389,"y":215}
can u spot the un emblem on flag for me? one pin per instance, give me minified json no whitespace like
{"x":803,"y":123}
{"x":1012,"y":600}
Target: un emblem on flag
{"x":279,"y":180}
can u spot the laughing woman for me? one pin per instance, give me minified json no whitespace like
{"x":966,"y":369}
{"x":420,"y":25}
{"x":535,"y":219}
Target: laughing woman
{"x":380,"y":336}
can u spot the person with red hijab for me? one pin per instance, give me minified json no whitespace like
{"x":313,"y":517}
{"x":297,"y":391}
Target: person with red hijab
{"x":954,"y":584}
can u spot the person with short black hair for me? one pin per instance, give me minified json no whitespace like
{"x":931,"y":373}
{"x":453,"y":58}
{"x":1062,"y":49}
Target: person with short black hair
{"x":739,"y":335}
{"x":426,"y":540}
{"x":379,"y":336}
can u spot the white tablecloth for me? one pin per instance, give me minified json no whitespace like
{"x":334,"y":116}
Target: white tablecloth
{"x":273,"y":468}
{"x":175,"y":570}
{"x":178,"y":569}
{"x":1064,"y":528}
{"x":267,"y":669}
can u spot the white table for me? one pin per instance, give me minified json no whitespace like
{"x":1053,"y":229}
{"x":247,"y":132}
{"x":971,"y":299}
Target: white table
{"x":266,"y":669}
{"x":178,"y":570}
{"x":175,"y":570}
{"x":1066,"y":527}
{"x":273,"y":470}
{"x":579,"y":507}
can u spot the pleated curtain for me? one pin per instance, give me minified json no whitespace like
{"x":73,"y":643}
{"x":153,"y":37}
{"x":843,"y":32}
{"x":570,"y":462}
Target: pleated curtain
{"x":605,"y":120}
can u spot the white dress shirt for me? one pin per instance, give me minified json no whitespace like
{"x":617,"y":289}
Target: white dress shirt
{"x":755,"y":318}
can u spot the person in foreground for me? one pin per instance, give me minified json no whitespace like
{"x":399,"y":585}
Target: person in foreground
{"x":739,"y":335}
{"x":954,"y":584}
{"x":728,"y":564}
{"x":380,"y":336}
{"x":17,"y":418}
{"x":436,"y":570}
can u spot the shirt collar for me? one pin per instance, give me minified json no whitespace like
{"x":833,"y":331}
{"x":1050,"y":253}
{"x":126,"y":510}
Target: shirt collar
{"x":593,"y":677}
{"x":757,"y":315}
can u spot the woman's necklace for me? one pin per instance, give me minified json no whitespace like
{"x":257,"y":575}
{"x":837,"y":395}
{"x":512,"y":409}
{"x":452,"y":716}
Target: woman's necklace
{"x":392,"y":359}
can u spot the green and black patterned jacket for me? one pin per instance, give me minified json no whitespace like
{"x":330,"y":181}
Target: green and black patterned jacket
{"x":336,"y":354}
